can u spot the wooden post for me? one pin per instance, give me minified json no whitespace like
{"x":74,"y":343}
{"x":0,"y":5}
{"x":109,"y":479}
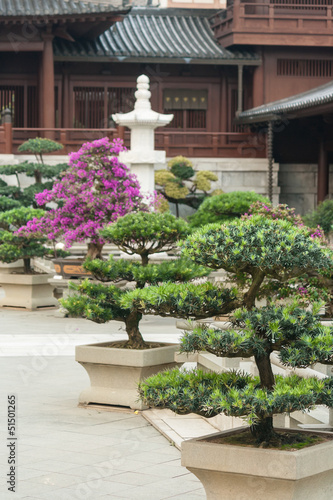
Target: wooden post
{"x":48,"y":85}
{"x":224,"y":108}
{"x":258,"y":95}
{"x":240,"y":89}
{"x":6,"y":119}
{"x":121,"y":132}
{"x":323,"y":173}
{"x":65,"y":99}
{"x":215,"y":143}
{"x":270,"y":160}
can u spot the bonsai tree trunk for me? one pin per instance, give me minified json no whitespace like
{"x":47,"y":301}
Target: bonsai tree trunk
{"x":95,"y":251}
{"x":144,"y":259}
{"x":27,"y":265}
{"x":135,"y":340}
{"x":263,"y":428}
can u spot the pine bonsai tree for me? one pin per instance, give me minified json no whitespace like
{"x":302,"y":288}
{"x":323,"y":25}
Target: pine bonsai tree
{"x":181,"y":185}
{"x":142,"y":234}
{"x":95,"y":190}
{"x":13,"y":246}
{"x":262,"y":248}
{"x":44,"y":175}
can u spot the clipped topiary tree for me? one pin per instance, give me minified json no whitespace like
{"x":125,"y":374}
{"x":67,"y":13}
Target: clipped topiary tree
{"x":225,"y":207}
{"x":181,"y":185}
{"x":142,"y":234}
{"x":13,"y":246}
{"x":262,"y":248}
{"x":44,"y":175}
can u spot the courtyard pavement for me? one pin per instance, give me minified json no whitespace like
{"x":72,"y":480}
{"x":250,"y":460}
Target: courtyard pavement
{"x":66,"y":452}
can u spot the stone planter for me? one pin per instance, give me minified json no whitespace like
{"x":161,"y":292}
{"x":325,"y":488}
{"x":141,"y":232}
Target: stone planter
{"x":27,"y":291}
{"x":115,"y":373}
{"x":234,"y":472}
{"x":70,"y":268}
{"x":13,"y":267}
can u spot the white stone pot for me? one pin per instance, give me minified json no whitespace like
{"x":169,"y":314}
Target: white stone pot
{"x":242,"y":473}
{"x":27,"y":291}
{"x":115,"y":373}
{"x":13,"y":267}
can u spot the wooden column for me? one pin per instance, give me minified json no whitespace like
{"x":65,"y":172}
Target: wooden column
{"x":65,"y":100}
{"x":323,"y":173}
{"x":223,"y":107}
{"x":6,"y":120}
{"x":258,"y":93}
{"x":270,"y":160}
{"x":40,"y":91}
{"x":48,"y":111}
{"x":240,"y":89}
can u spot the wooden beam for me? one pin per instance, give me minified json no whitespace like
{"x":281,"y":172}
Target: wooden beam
{"x":17,"y":45}
{"x":48,"y":84}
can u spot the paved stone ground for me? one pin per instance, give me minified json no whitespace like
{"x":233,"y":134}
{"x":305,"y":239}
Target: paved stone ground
{"x":66,"y":452}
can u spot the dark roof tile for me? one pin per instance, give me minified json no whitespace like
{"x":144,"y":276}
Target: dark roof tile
{"x":305,"y":100}
{"x":160,"y":34}
{"x":16,"y":8}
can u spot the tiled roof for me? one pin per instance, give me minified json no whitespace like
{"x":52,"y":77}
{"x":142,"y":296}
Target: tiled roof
{"x":16,"y":8}
{"x":306,"y":100}
{"x":156,"y":34}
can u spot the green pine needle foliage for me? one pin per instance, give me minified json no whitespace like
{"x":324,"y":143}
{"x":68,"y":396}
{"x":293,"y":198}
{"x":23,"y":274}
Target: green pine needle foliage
{"x":263,"y":249}
{"x":39,"y":146}
{"x":146,"y":233}
{"x":143,"y":234}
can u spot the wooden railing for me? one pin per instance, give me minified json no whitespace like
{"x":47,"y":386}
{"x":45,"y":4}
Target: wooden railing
{"x":71,"y":138}
{"x":210,"y":144}
{"x":192,"y":144}
{"x":292,"y":17}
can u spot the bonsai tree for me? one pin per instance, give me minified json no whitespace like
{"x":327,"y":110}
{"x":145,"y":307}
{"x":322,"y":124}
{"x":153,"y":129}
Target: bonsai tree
{"x":38,"y":170}
{"x":142,"y":234}
{"x":315,"y":285}
{"x":262,"y":248}
{"x":225,"y":207}
{"x":13,"y":246}
{"x":95,"y":190}
{"x":180,"y":184}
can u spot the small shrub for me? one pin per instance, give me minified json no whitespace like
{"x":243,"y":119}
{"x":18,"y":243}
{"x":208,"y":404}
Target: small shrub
{"x":322,"y":216}
{"x":225,"y":207}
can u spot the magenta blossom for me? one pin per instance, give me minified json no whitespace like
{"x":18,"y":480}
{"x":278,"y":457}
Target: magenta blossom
{"x":93,"y":192}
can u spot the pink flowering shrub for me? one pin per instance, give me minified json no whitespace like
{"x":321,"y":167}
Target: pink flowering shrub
{"x":94,"y":191}
{"x":281,"y":211}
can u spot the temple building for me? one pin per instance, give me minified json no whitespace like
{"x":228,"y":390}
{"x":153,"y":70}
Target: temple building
{"x":67,"y":66}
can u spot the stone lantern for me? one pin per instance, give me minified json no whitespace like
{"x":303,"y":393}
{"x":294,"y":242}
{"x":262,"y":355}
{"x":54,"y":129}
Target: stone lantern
{"x":142,"y":121}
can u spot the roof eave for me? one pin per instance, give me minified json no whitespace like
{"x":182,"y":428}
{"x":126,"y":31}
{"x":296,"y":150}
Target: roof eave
{"x":158,"y":60}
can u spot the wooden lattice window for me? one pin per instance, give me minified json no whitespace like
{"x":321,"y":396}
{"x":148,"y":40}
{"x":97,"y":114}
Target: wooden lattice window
{"x":88,"y":107}
{"x":93,"y":106}
{"x":12,"y":97}
{"x":317,"y":68}
{"x":120,"y":100}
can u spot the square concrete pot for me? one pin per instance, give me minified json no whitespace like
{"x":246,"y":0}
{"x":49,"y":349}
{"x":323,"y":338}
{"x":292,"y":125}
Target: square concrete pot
{"x":115,"y":373}
{"x":27,"y":291}
{"x":13,"y":267}
{"x":235,"y":473}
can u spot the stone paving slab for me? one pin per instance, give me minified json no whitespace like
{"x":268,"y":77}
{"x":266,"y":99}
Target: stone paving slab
{"x":69,"y":452}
